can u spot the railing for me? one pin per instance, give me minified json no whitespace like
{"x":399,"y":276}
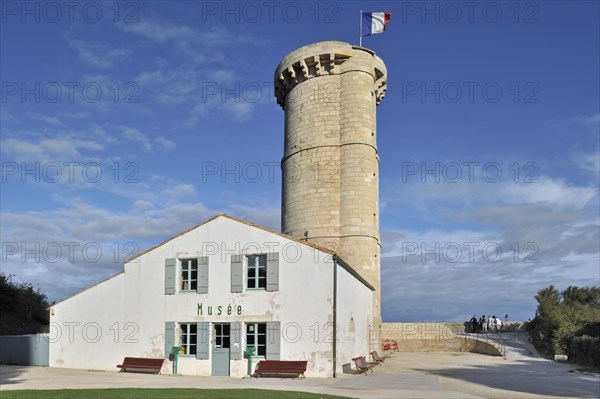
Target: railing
{"x":500,"y":344}
{"x":496,"y":340}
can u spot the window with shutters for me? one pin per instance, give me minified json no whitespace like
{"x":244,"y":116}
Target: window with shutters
{"x":189,"y":274}
{"x":188,"y":339}
{"x":256,"y":336}
{"x":257,"y":271}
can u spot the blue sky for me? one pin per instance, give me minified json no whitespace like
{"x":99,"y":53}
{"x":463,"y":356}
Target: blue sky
{"x":125,"y":123}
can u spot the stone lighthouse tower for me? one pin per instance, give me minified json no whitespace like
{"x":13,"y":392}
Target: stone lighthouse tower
{"x":329,"y":91}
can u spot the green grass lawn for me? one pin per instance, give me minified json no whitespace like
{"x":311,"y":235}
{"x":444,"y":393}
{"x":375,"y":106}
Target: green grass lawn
{"x":163,"y":393}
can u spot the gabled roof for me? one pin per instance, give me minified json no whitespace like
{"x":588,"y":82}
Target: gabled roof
{"x":258,"y":226}
{"x":336,"y":257}
{"x":353,"y":272}
{"x":87,"y":288}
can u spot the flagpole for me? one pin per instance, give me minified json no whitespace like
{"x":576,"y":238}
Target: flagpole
{"x":360,"y":39}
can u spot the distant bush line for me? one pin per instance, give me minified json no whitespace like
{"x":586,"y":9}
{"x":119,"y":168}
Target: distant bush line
{"x":23,"y":307}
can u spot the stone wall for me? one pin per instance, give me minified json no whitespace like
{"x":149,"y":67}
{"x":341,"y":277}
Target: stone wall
{"x":421,"y":337}
{"x":434,"y":337}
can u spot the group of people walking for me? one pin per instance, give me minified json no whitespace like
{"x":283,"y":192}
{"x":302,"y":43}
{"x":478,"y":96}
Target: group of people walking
{"x":483,"y":325}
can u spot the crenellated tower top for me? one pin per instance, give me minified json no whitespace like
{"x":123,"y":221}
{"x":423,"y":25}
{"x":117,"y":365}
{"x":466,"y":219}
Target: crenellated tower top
{"x":328,"y":58}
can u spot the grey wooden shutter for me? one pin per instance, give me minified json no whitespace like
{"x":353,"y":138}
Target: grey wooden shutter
{"x":273,"y":271}
{"x":237,"y":273}
{"x":202,"y":287}
{"x":236,"y":336}
{"x":273,"y":340}
{"x":202,"y":340}
{"x":169,"y":337}
{"x":170,"y":275}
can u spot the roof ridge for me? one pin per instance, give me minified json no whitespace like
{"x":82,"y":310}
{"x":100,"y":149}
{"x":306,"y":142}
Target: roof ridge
{"x":239,"y":220}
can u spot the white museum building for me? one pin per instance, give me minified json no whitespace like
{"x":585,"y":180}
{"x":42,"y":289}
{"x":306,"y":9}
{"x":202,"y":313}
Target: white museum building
{"x":213,"y":290}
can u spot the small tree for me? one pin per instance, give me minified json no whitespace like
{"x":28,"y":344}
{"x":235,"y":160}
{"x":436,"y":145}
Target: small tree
{"x":561,"y":315}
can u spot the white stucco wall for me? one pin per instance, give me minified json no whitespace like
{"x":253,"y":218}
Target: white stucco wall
{"x":354,"y":318}
{"x":134,"y":303}
{"x":90,"y":330}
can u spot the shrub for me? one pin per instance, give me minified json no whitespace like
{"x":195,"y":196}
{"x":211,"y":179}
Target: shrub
{"x":562,"y":321}
{"x":585,"y":350}
{"x":23,"y":307}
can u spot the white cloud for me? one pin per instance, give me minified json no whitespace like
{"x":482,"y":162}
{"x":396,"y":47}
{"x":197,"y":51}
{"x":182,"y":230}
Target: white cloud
{"x":142,"y":205}
{"x":187,"y":83}
{"x":548,"y":232}
{"x":117,"y":235}
{"x":429,"y":196}
{"x":66,"y":146}
{"x":98,"y":55}
{"x":411,"y":291}
{"x":180,"y":191}
{"x":134,"y":135}
{"x":589,"y":120}
{"x":62,"y":145}
{"x":216,"y":107}
{"x":240,"y":110}
{"x":158,"y":32}
{"x":588,"y":162}
{"x":549,"y":191}
{"x":74,"y":115}
{"x":577,"y":122}
{"x":207,"y":90}
{"x":402,"y":243}
{"x":186,"y":38}
{"x":49,"y":120}
{"x":152,"y":78}
{"x":268,"y":215}
{"x":199,"y":46}
{"x":22,"y":150}
{"x":449,"y":274}
{"x":165,"y":143}
{"x":221,"y":75}
{"x":171,"y":86}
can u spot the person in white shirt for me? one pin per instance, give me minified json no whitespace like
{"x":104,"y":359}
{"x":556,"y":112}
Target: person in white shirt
{"x":498,"y":325}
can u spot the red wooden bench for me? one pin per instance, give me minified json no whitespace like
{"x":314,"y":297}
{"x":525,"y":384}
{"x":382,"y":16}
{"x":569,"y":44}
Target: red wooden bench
{"x":141,"y":363}
{"x":297,"y":367}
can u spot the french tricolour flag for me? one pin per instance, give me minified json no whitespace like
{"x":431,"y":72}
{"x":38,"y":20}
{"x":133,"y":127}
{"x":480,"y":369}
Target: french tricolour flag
{"x":374,"y":22}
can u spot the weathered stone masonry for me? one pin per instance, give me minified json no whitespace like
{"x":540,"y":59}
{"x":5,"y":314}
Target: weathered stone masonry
{"x":329,"y":91}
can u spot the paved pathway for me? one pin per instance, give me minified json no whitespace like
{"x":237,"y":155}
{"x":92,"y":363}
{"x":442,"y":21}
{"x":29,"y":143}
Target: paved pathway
{"x":404,"y":375}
